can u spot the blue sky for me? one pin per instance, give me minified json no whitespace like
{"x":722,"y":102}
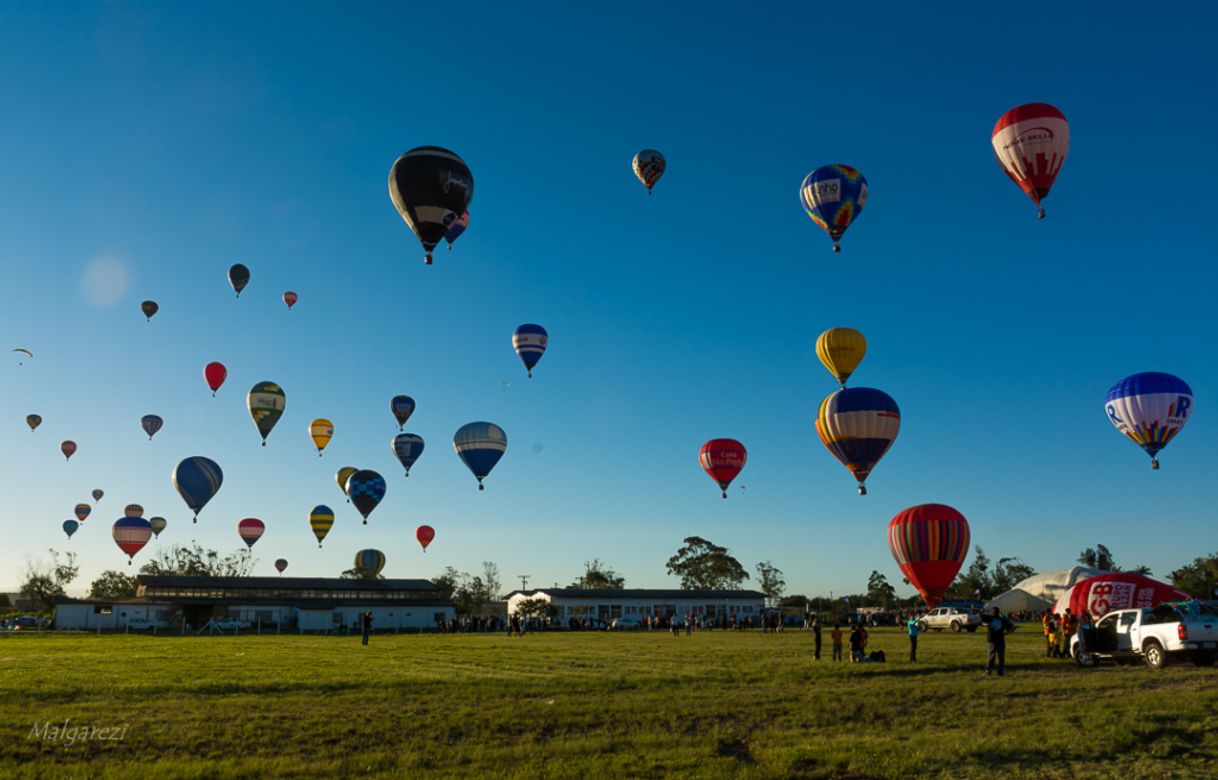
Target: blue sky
{"x":151,"y":146}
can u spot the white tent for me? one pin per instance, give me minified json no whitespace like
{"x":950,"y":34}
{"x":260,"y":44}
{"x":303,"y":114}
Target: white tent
{"x":1041,"y":591}
{"x":1018,"y":600}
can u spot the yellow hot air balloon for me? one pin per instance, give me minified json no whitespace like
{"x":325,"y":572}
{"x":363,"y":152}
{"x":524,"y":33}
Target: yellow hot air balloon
{"x":321,"y":430}
{"x":841,"y":350}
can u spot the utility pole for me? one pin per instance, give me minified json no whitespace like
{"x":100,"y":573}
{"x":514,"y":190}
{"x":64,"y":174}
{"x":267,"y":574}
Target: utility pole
{"x":524,"y":581}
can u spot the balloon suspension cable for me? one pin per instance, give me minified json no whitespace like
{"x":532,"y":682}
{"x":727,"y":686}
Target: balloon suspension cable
{"x":862,"y":489}
{"x":1040,"y":212}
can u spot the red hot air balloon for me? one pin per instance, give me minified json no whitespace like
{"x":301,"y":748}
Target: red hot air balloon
{"x":215,"y":374}
{"x":722,"y":459}
{"x":290,"y":298}
{"x":68,"y":448}
{"x":425,"y":533}
{"x":929,"y":542}
{"x":251,"y":530}
{"x":1031,"y":142}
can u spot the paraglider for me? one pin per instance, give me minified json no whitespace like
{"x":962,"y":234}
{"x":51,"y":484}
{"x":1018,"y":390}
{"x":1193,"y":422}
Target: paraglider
{"x":149,"y":308}
{"x":649,"y":165}
{"x":834,"y":196}
{"x":214,"y":374}
{"x":280,"y":565}
{"x":365,"y":488}
{"x":238,"y":277}
{"x":530,"y":342}
{"x":431,"y":188}
{"x":929,"y":542}
{"x":321,"y":430}
{"x":341,"y":478}
{"x":158,"y":524}
{"x":250,"y":530}
{"x":425,"y":533}
{"x":197,"y":480}
{"x":321,"y":518}
{"x":858,"y":425}
{"x":841,"y":350}
{"x":151,"y":423}
{"x":1150,"y":408}
{"x":456,"y":230}
{"x":480,"y":445}
{"x":97,"y":494}
{"x":266,"y":402}
{"x":82,"y":511}
{"x":69,"y":527}
{"x":33,"y":420}
{"x":23,"y":351}
{"x":402,"y":407}
{"x":369,"y":563}
{"x":133,"y":510}
{"x":1031,"y":142}
{"x":722,"y":459}
{"x":131,"y":534}
{"x":407,"y":447}
{"x":290,"y":299}
{"x":68,"y":448}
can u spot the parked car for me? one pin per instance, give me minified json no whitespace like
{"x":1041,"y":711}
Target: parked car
{"x":233,"y":624}
{"x":1153,"y":635}
{"x":956,"y":618}
{"x":140,"y":624}
{"x":627,"y":621}
{"x":26,"y":623}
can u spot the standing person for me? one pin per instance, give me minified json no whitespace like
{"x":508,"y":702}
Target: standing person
{"x":912,"y":628}
{"x":367,"y":625}
{"x":816,"y":638}
{"x":676,"y":625}
{"x":689,"y":624}
{"x":996,"y":630}
{"x":1047,"y":619}
{"x":856,"y":644}
{"x":836,"y":636}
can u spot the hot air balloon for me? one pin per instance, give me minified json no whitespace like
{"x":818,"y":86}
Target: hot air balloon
{"x":214,"y":374}
{"x":322,"y":430}
{"x":33,"y":420}
{"x":723,"y":459}
{"x":402,"y":407}
{"x":197,"y":480}
{"x":1150,"y":408}
{"x":407,"y":447}
{"x":929,"y":542}
{"x":133,"y":510}
{"x":67,"y":448}
{"x":151,"y":423}
{"x":431,"y":188}
{"x":281,"y":564}
{"x":320,"y":520}
{"x":480,"y":445}
{"x":834,"y":196}
{"x":250,"y":530}
{"x":82,"y":511}
{"x":266,"y":403}
{"x":341,"y":477}
{"x":530,"y":341}
{"x":149,"y":308}
{"x":69,"y":527}
{"x":238,"y":277}
{"x":425,"y":533}
{"x":369,"y":563}
{"x":98,"y":493}
{"x":456,"y":230}
{"x":131,"y":534}
{"x":365,"y":488}
{"x":858,"y":425}
{"x":649,"y":166}
{"x":841,"y":350}
{"x":158,"y":524}
{"x":290,"y":298}
{"x":1031,"y":142}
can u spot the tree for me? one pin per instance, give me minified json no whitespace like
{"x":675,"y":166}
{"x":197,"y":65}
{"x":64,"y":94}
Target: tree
{"x":194,"y":561}
{"x":599,"y":576}
{"x":43,"y":583}
{"x":704,"y":565}
{"x":975,"y":582}
{"x":1143,"y":569}
{"x":1200,"y":578}
{"x":771,"y":582}
{"x":447,"y":582}
{"x":5,"y":601}
{"x":356,"y":573}
{"x":490,"y":577}
{"x":1098,"y":558}
{"x":112,"y":584}
{"x":1009,"y":572}
{"x":879,"y":591}
{"x":535,"y":607}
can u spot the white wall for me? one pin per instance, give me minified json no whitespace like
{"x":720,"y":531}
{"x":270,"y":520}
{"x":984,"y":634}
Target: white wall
{"x":383,"y":618}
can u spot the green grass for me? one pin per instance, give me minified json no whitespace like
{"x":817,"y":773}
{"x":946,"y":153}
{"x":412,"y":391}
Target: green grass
{"x":634,"y":704}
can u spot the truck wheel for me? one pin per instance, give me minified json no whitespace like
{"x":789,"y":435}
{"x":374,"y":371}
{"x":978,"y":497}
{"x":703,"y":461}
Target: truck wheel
{"x":1085,"y":660}
{"x":956,"y":626}
{"x":922,"y":625}
{"x":1203,"y":659}
{"x":1153,"y":652}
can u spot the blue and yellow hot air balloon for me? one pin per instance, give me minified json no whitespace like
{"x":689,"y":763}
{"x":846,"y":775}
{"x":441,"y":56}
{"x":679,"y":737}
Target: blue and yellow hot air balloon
{"x":530,"y":343}
{"x":321,"y":518}
{"x":369,"y":563}
{"x":858,"y":425}
{"x":480,"y":445}
{"x":197,"y":480}
{"x":1150,"y":408}
{"x":834,"y":196}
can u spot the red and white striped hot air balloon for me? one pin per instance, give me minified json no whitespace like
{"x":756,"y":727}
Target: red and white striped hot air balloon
{"x":1031,"y":142}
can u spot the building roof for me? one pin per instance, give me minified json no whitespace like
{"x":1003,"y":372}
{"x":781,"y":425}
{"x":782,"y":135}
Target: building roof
{"x":282,"y":583}
{"x":322,"y":604}
{"x":644,"y":593}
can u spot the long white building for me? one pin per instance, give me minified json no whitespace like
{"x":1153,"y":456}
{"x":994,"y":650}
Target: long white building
{"x":578,"y":604}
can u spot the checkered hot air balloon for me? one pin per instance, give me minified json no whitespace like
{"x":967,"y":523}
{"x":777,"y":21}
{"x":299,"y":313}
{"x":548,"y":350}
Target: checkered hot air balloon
{"x":365,"y":488}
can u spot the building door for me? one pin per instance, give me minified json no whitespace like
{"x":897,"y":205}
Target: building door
{"x":196,"y":616}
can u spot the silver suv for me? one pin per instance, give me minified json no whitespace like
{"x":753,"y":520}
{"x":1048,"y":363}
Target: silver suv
{"x":955,"y":618}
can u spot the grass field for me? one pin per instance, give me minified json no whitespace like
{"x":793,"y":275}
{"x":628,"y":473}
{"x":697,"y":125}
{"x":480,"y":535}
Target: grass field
{"x":637,"y":704}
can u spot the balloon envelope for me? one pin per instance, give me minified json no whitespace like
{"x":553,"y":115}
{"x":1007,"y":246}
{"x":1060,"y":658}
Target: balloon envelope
{"x":266,"y":402}
{"x":281,"y":564}
{"x":648,"y":166}
{"x":33,"y":420}
{"x":251,"y":530}
{"x":290,"y":298}
{"x":841,"y":350}
{"x":929,"y":542}
{"x":321,"y":518}
{"x":97,"y":494}
{"x":197,"y":480}
{"x":1150,"y":408}
{"x":530,"y":342}
{"x":1031,"y":142}
{"x":343,"y":474}
{"x":68,"y":448}
{"x":149,"y":308}
{"x":69,"y":527}
{"x":1104,"y":593}
{"x":722,"y":459}
{"x":151,"y":423}
{"x":431,"y":188}
{"x":238,"y":277}
{"x":425,"y":533}
{"x":214,"y":374}
{"x":402,"y":407}
{"x":480,"y":445}
{"x":82,"y":511}
{"x":131,"y":534}
{"x":858,"y":425}
{"x":369,"y":563}
{"x":133,"y":510}
{"x":407,"y":447}
{"x":365,"y":488}
{"x":158,"y":524}
{"x":457,"y":229}
{"x":321,"y":430}
{"x":834,"y":196}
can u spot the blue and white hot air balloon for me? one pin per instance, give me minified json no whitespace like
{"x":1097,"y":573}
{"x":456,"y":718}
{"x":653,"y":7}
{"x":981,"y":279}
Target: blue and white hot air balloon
{"x":197,"y":480}
{"x":480,"y":445}
{"x":1150,"y":408}
{"x":407,"y":447}
{"x":530,"y":343}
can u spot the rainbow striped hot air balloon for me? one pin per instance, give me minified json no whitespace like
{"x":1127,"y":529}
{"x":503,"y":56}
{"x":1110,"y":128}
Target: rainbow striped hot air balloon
{"x":834,"y":196}
{"x":858,"y":425}
{"x":321,"y":518}
{"x":929,"y":542}
{"x":480,"y":445}
{"x":369,"y":563}
{"x":1150,"y":408}
{"x":250,"y":530}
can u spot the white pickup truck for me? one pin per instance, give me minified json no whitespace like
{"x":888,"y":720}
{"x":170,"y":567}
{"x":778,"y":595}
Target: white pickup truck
{"x":1151,"y":634}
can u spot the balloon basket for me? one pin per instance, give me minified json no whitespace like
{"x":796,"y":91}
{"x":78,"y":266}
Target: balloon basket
{"x":1154,"y":464}
{"x":862,"y":490}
